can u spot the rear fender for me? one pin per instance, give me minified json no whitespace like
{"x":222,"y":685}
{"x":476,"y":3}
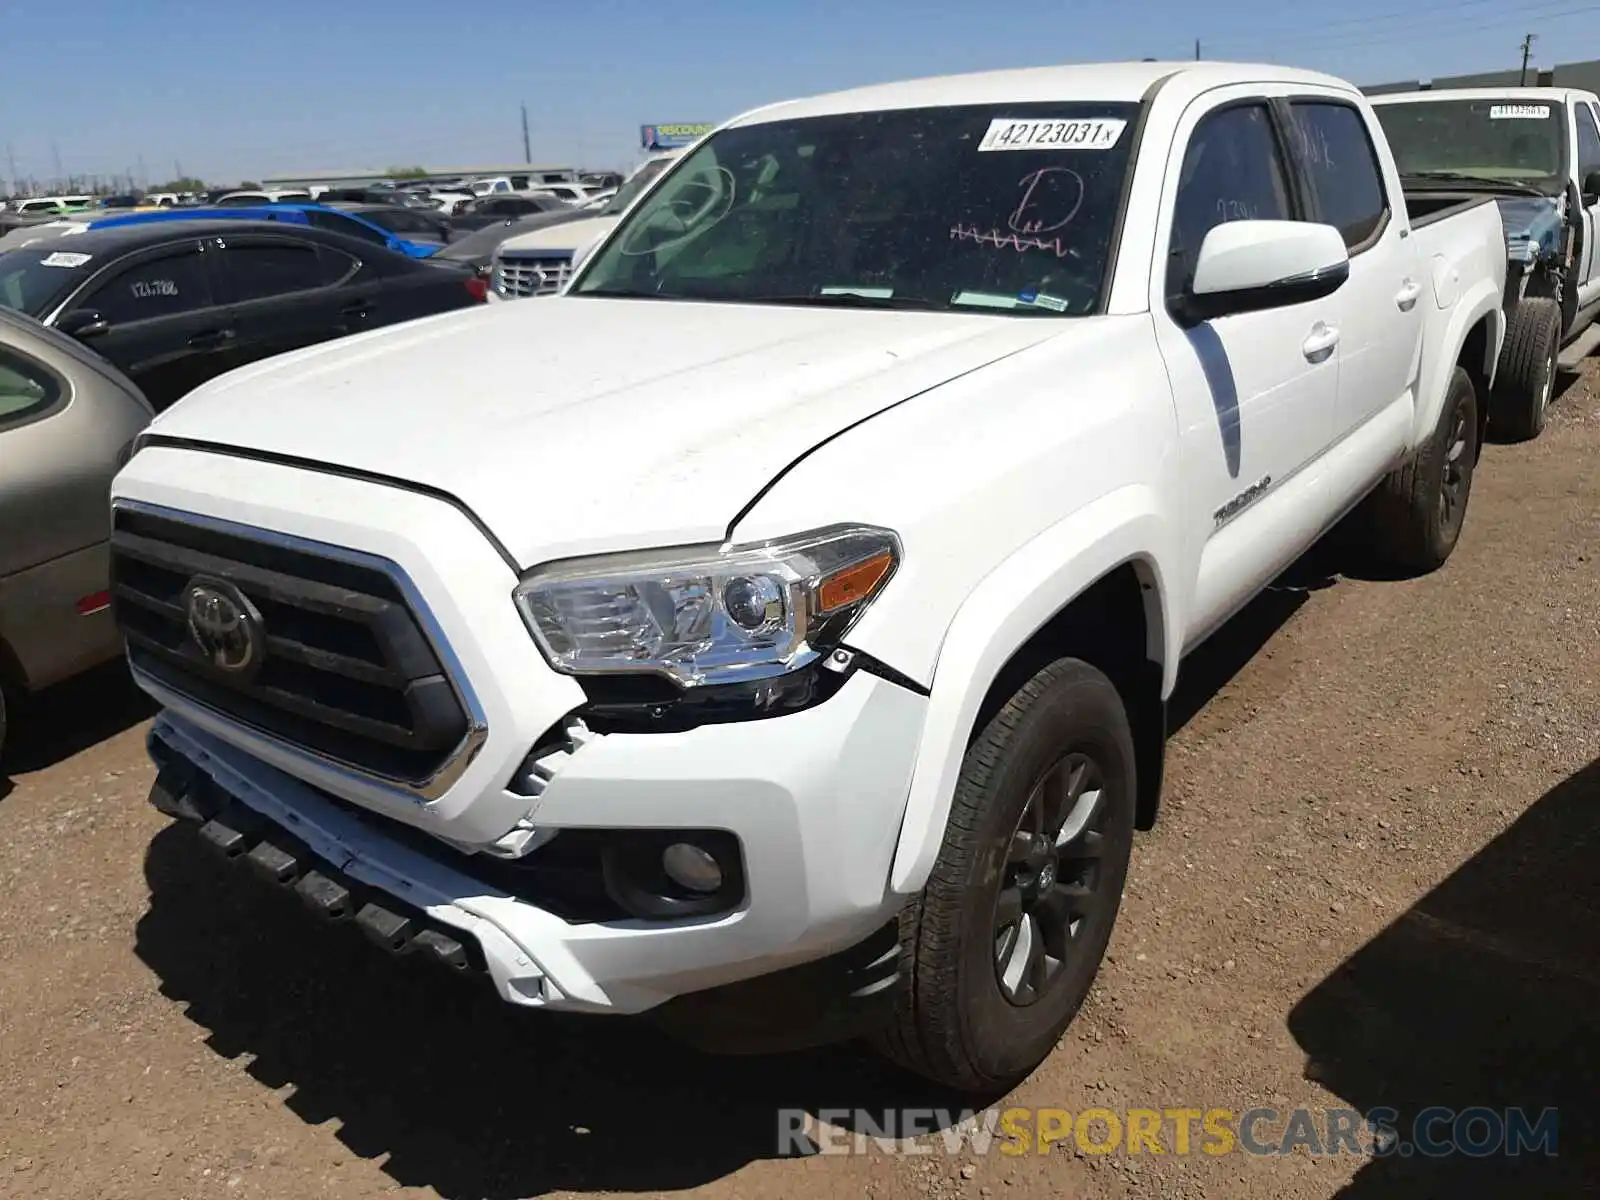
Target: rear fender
{"x":1442,"y":347}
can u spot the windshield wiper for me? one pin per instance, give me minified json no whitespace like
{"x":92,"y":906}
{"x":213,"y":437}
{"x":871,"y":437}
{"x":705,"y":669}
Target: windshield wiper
{"x":830,"y":300}
{"x":1489,"y":182}
{"x":844,"y":299}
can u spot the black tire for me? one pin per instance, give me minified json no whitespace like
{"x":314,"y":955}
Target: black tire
{"x":954,"y":1021}
{"x":1526,"y":377}
{"x":1417,"y":512}
{"x":2,"y":725}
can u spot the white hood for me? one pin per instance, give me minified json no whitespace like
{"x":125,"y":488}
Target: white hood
{"x":568,"y":237}
{"x":579,"y":425}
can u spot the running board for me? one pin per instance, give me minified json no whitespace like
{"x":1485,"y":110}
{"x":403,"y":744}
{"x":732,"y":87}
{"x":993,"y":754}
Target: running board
{"x":1575,"y":351}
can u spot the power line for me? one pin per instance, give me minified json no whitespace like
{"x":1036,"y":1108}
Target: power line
{"x":1435,"y":32}
{"x":1364,"y":22}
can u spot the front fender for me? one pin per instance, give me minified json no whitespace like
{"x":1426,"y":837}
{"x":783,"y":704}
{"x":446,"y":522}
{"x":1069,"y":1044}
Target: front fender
{"x":1007,"y":608}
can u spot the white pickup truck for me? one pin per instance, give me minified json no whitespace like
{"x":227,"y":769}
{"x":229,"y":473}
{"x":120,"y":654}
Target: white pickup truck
{"x":786,"y":656}
{"x":1537,"y":152}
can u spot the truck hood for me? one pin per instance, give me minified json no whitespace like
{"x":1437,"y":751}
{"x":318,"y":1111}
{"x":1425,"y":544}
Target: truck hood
{"x":579,"y":425}
{"x":1533,"y":226}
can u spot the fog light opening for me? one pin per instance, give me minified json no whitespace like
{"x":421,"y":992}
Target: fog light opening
{"x":692,"y":867}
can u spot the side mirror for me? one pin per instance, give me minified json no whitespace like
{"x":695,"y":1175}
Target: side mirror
{"x":1247,"y":266}
{"x":84,"y":323}
{"x":1591,"y":187}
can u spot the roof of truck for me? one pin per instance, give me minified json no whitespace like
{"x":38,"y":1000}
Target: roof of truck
{"x":1121,"y":81}
{"x":1508,"y":91}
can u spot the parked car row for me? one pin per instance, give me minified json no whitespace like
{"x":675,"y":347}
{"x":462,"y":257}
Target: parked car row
{"x":771,"y":631}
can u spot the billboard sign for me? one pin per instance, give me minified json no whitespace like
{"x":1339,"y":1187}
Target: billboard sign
{"x":673,"y":137}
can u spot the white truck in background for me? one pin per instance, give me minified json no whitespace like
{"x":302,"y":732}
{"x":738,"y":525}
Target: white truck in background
{"x":1536,"y":152}
{"x":786,"y":657}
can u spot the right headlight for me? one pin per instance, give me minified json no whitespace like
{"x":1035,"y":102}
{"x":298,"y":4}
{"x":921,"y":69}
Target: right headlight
{"x":707,"y":614}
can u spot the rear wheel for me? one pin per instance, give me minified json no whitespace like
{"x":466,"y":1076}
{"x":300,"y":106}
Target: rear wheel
{"x":1417,"y":512}
{"x":1005,"y":940}
{"x":1526,"y":378}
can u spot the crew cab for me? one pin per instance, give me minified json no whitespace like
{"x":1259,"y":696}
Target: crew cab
{"x":772,"y":633}
{"x":1537,"y":151}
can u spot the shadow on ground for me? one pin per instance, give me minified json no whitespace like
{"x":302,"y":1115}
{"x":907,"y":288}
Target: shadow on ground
{"x":1483,"y":993}
{"x":451,"y":1087}
{"x":72,"y":716}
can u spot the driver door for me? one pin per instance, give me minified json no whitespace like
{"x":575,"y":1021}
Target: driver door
{"x":1588,"y":160}
{"x":1256,"y":392}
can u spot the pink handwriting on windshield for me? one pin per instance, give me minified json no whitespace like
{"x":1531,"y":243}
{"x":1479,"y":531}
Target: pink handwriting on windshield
{"x":1017,"y":241}
{"x":1051,"y":197}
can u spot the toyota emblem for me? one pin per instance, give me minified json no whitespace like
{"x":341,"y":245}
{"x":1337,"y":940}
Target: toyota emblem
{"x":224,"y":624}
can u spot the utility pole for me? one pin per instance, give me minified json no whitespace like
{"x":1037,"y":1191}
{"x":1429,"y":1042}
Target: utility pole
{"x":55,"y":153}
{"x":527,"y":150}
{"x":11,"y":161}
{"x":1197,"y":49}
{"x":1527,"y":49}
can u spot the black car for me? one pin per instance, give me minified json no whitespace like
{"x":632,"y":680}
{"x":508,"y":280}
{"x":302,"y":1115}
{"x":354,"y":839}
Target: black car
{"x":492,"y":210}
{"x":175,"y":303}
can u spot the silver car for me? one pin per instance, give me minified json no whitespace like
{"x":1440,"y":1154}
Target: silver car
{"x":67,"y":422}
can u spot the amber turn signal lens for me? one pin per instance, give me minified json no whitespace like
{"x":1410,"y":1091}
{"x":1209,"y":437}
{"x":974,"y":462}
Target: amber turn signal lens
{"x":854,"y":583}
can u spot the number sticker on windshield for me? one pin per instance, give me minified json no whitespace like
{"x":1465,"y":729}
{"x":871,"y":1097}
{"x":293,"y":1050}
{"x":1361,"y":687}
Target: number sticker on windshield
{"x":1016,"y":133}
{"x":62,"y":259}
{"x":1519,"y":112}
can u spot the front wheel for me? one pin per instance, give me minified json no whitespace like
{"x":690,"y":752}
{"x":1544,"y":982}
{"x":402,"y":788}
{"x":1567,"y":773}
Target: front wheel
{"x":1526,"y":378}
{"x":1005,"y":939}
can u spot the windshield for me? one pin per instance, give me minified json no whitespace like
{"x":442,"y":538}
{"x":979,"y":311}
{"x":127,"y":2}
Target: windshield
{"x":1009,"y":208}
{"x":618,"y":204}
{"x":1498,"y":138}
{"x":32,"y":279}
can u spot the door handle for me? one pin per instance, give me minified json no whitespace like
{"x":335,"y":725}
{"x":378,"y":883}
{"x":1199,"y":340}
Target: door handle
{"x":1319,"y":342}
{"x":1406,"y":297}
{"x":356,"y":308}
{"x":209,"y":339}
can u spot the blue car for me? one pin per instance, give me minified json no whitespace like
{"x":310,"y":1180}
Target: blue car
{"x":362,"y":221}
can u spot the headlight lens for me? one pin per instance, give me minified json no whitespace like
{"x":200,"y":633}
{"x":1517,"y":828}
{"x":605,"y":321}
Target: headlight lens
{"x":704,"y":615}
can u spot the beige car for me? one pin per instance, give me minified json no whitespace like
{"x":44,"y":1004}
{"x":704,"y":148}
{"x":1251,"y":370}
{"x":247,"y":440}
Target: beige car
{"x":67,"y":422}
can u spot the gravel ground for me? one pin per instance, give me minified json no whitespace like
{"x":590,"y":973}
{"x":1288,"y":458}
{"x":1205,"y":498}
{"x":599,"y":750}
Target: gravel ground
{"x":1369,"y":887}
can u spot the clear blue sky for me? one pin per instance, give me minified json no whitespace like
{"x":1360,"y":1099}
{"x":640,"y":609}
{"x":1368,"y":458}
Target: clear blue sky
{"x":235,"y":91}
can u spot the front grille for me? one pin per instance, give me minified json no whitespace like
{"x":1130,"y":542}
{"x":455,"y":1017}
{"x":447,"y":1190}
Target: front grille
{"x":345,"y":670}
{"x":518,"y":275}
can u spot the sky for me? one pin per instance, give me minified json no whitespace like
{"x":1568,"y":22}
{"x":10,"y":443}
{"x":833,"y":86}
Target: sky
{"x":236,"y":91}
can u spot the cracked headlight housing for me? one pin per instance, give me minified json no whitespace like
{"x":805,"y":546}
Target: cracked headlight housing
{"x":708,"y":614}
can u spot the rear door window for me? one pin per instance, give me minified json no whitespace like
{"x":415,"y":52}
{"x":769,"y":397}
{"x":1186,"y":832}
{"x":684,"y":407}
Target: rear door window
{"x":260,"y":270}
{"x":1334,"y":151}
{"x":164,"y":286}
{"x":26,"y":389}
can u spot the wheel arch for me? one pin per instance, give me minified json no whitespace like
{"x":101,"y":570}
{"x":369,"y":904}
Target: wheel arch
{"x":1475,"y":331}
{"x":1095,"y":586}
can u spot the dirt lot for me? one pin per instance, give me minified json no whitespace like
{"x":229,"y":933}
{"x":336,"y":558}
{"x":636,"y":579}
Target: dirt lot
{"x":1373,"y":884}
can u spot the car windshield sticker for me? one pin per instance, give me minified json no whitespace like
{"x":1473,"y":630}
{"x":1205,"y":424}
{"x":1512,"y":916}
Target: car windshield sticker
{"x":1519,"y":112}
{"x":1017,"y":133}
{"x":62,"y":258}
